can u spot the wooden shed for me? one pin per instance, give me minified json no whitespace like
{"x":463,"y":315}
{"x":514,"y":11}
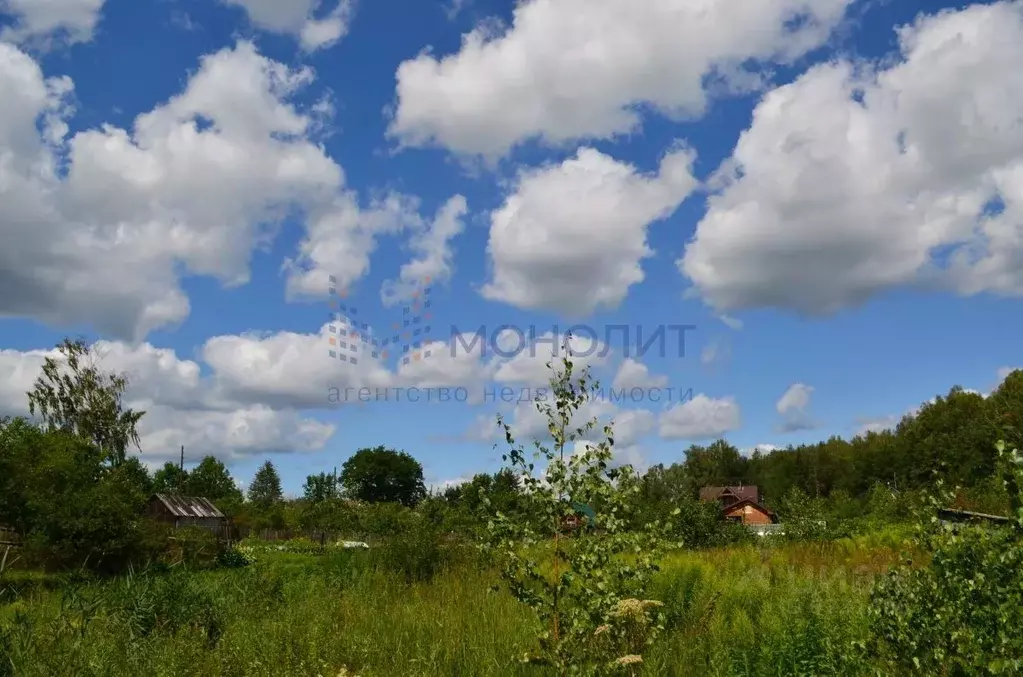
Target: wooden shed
{"x":181,"y":511}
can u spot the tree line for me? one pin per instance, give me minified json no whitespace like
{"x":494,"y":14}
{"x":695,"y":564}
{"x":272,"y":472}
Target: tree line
{"x":70,"y":483}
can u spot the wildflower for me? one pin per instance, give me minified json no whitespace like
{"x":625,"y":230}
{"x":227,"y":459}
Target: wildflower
{"x":634,"y":608}
{"x":602,"y":629}
{"x":631,"y":659}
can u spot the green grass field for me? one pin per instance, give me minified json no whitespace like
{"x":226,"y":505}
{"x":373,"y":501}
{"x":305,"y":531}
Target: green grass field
{"x":786,"y":609}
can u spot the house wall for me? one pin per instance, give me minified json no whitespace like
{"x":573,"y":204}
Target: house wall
{"x":749,"y":515}
{"x":205,"y":522}
{"x":158,"y":511}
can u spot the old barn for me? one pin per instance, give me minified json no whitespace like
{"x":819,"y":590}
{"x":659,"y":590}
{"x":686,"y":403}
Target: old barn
{"x":181,"y":511}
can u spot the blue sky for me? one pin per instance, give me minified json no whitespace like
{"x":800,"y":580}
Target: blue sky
{"x":830,"y":192}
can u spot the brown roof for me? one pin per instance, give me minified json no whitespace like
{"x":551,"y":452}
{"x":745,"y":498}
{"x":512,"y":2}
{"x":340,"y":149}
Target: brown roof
{"x":188,"y":506}
{"x":749,"y":501}
{"x":741,"y":493}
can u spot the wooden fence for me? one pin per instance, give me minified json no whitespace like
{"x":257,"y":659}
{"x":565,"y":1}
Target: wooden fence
{"x":232,"y":533}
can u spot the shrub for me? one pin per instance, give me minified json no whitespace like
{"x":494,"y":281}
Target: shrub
{"x":382,"y":519}
{"x":960,"y":612}
{"x":416,"y":553}
{"x":233,"y":558}
{"x":193,"y":547}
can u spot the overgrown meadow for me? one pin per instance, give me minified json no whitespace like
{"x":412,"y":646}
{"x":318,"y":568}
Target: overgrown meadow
{"x":748,"y":610}
{"x":563,"y":563}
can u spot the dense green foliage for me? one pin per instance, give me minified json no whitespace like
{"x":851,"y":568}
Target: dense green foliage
{"x":381,"y":475}
{"x":72,"y":508}
{"x":960,"y":613}
{"x":321,"y":487}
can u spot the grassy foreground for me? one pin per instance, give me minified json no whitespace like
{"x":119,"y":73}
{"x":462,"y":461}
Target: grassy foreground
{"x":788,"y":609}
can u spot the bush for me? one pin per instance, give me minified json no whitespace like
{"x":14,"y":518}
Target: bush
{"x":233,"y":558}
{"x":959,"y":613}
{"x":74,"y":511}
{"x":383,"y":519}
{"x":417,"y":552}
{"x":193,"y":547}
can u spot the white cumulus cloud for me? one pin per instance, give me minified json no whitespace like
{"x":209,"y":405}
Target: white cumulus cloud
{"x":42,"y":23}
{"x":634,"y":374}
{"x":305,"y":20}
{"x":700,"y":418}
{"x":857,"y":178}
{"x":572,"y":69}
{"x":571,"y":237}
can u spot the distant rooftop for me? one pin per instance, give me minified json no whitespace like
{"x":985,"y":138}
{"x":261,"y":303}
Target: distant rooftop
{"x":189,"y":506}
{"x":741,"y":493}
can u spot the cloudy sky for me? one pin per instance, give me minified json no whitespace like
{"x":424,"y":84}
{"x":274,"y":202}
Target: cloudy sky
{"x":829,"y":192}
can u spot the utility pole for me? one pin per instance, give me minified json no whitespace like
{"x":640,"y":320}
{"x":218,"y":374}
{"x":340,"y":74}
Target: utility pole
{"x":181,"y":464}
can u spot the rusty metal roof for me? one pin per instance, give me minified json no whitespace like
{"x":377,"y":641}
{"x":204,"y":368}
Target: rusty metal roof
{"x":189,"y":506}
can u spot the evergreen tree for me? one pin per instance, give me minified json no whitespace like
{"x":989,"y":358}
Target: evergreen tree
{"x":265,"y":490}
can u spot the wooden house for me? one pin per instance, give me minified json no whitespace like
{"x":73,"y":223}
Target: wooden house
{"x":181,"y":511}
{"x":740,"y":504}
{"x":582,"y":516}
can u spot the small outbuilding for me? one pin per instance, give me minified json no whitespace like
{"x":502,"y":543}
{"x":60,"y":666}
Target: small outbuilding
{"x":182,"y":511}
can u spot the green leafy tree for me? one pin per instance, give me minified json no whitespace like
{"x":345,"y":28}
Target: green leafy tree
{"x":265,"y":490}
{"x":1006,"y":407}
{"x":803,"y":516}
{"x":171,"y":478}
{"x":952,"y":435}
{"x":72,"y":508}
{"x":487,"y":492}
{"x":321,"y":487}
{"x":136,"y":475}
{"x":586,"y":588}
{"x":19,"y":446}
{"x":74,"y":396}
{"x":381,"y":475}
{"x":719,"y":464}
{"x":212,"y":480}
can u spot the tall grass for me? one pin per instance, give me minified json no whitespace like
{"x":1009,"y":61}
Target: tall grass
{"x":786,"y":610}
